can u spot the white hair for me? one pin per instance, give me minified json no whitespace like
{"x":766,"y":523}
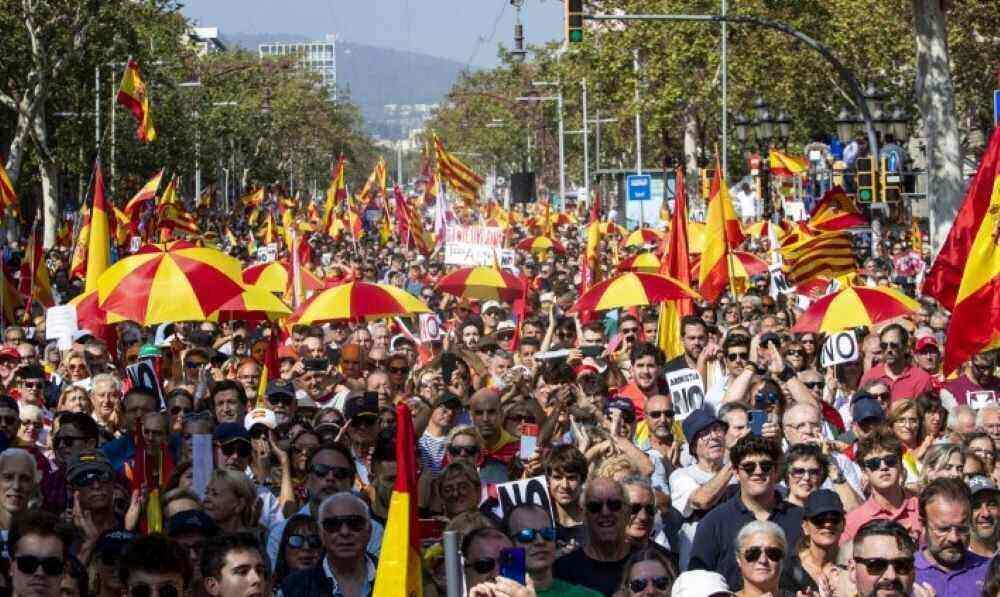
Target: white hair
{"x":981,"y":414}
{"x":30,"y":411}
{"x":804,"y":407}
{"x":11,"y":454}
{"x":345,"y":496}
{"x":761,"y":526}
{"x":107,"y":378}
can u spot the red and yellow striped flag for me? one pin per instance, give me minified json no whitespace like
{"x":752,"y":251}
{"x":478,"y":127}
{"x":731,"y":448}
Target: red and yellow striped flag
{"x":132,"y":94}
{"x":335,"y":193}
{"x":35,"y":284}
{"x":11,"y":299}
{"x":461,"y":178}
{"x":146,"y":193}
{"x":723,"y":233}
{"x":376,"y":180}
{"x":830,"y":254}
{"x":8,"y":198}
{"x":399,"y":565}
{"x":99,"y":241}
{"x":254,"y":199}
{"x":836,"y":211}
{"x":965,"y":277}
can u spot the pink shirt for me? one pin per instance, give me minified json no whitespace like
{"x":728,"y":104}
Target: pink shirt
{"x":913,"y":382}
{"x":907,"y":515}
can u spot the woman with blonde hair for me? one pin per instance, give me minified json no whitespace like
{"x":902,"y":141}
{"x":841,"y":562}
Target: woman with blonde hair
{"x":942,"y":460}
{"x":229,"y":501}
{"x":74,"y":367}
{"x":32,"y":424}
{"x":905,"y":423}
{"x":75,"y":399}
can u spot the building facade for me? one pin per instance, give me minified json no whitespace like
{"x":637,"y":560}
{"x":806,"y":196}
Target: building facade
{"x":316,"y":56}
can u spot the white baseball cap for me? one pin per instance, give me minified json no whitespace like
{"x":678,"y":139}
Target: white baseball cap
{"x":700,"y":583}
{"x":260,"y":416}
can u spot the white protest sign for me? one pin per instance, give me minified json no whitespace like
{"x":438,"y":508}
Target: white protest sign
{"x":134,"y":244}
{"x":980,"y":399}
{"x":141,"y":374}
{"x":476,"y":245}
{"x":687,"y":393}
{"x":268,"y":253}
{"x":60,"y":324}
{"x":525,"y":491}
{"x":840,"y":348}
{"x":779,"y":283}
{"x":202,"y":462}
{"x":430,"y":327}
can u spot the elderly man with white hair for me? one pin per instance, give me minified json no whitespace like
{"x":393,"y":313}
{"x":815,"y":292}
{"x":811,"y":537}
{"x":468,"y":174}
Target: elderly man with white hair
{"x":346,"y":568}
{"x":803,"y":424}
{"x":988,"y":419}
{"x":19,"y":479}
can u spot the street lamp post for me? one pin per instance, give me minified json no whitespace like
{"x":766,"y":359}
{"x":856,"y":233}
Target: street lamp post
{"x":562,"y":147}
{"x":762,"y":128}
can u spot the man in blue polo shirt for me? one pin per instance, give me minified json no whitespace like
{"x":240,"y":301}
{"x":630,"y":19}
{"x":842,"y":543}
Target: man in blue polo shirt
{"x":756,"y":461}
{"x":946,"y":563}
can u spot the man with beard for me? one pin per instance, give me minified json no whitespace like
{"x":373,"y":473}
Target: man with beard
{"x":696,"y":489}
{"x":694,"y":337}
{"x":946,"y":564}
{"x":985,"y":515}
{"x":280,"y":397}
{"x":647,"y":375}
{"x":882,"y":562}
{"x":600,"y":564}
{"x":499,"y":447}
{"x":756,"y":461}
{"x":905,"y":379}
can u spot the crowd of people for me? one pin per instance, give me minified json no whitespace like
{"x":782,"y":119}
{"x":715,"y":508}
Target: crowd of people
{"x":785,"y":477}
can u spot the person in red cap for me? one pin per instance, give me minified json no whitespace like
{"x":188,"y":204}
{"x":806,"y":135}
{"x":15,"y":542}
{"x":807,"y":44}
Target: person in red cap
{"x":927,"y":356}
{"x":9,"y":359}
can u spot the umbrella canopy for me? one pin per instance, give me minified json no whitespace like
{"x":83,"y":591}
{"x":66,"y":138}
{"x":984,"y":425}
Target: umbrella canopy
{"x":156,"y":286}
{"x":643,"y":262}
{"x":541,"y":244}
{"x":276,"y":276}
{"x":253,"y":304}
{"x":89,"y":315}
{"x":762,"y":229}
{"x":482,"y":283}
{"x":642,"y":236}
{"x":356,"y":301}
{"x":854,"y":306}
{"x":633,"y":289}
{"x":745,"y":265}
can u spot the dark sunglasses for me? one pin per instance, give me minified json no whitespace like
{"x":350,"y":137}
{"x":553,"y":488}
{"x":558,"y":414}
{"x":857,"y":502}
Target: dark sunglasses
{"x":301,"y":541}
{"x":528,"y":535}
{"x":814,"y":385}
{"x":69,"y":441}
{"x":888,"y":345}
{"x":281,"y":399}
{"x":399,"y":370}
{"x":353,"y":522}
{"x":463,"y":450}
{"x":483,"y":566}
{"x":520,"y":418}
{"x":238,"y":447}
{"x":793,"y":353}
{"x":752,"y":554}
{"x":732,"y":357}
{"x":613,"y":505}
{"x":32,"y":385}
{"x":176,"y":410}
{"x":339,"y":472}
{"x":89,"y":478}
{"x":638,"y":585}
{"x":144,"y":590}
{"x":751,"y":468}
{"x":656,"y":414}
{"x":874,"y":464}
{"x":649,"y":509}
{"x":797,"y":471}
{"x":826,"y":518}
{"x":878,"y":566}
{"x":880,"y":396}
{"x":51,"y":566}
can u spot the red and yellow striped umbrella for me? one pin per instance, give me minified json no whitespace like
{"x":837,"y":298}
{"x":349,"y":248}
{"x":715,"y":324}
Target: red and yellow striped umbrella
{"x":483,"y":283}
{"x":762,"y":229}
{"x":647,"y":263}
{"x":357,"y":301}
{"x":642,"y":236}
{"x":156,"y":286}
{"x":91,"y":316}
{"x":276,"y":276}
{"x":253,"y":304}
{"x":853,"y":307}
{"x":745,"y":265}
{"x":541,"y":244}
{"x":631,"y":290}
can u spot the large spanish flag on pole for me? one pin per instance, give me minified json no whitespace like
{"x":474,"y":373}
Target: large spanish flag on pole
{"x":722,"y":233}
{"x":965,"y":277}
{"x":132,"y":94}
{"x":336,"y":193}
{"x":399,"y":572}
{"x":675,"y":262}
{"x":99,"y":241}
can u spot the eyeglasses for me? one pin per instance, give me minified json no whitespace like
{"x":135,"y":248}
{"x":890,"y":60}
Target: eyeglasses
{"x":88,"y":478}
{"x":874,"y":464}
{"x":520,"y":418}
{"x":799,"y":472}
{"x":657,"y":414}
{"x":529,"y":535}
{"x":752,"y":554}
{"x":814,"y":385}
{"x":649,"y":509}
{"x":193,"y":364}
{"x":793,"y":353}
{"x":51,"y":566}
{"x":280,"y":400}
{"x":881,"y":396}
{"x":827,"y":518}
{"x":613,"y":505}
{"x":353,"y":522}
{"x":32,"y":385}
{"x":483,"y":566}
{"x":238,"y":447}
{"x":732,"y":357}
{"x":463,"y":450}
{"x":638,"y":585}
{"x":339,"y":472}
{"x":878,"y":566}
{"x":399,"y":370}
{"x":34,"y":424}
{"x":888,"y":345}
{"x":301,"y":541}
{"x":750,"y":468}
{"x":144,"y":590}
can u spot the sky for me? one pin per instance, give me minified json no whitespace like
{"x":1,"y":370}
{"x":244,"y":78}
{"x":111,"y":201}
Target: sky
{"x":467,"y":31}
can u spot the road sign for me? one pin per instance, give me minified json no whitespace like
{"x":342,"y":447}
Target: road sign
{"x":639,"y":187}
{"x":996,"y":107}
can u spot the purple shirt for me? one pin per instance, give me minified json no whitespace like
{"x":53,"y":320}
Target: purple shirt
{"x":963,"y":581}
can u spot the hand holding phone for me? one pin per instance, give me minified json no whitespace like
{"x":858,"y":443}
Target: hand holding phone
{"x":757,"y":420}
{"x":512,"y":564}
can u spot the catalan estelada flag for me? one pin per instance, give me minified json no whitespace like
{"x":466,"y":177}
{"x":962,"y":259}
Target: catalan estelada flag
{"x":8,"y":198}
{"x":132,"y":94}
{"x":399,"y":565}
{"x":836,"y":211}
{"x":965,"y":277}
{"x":99,"y":237}
{"x":722,"y":233}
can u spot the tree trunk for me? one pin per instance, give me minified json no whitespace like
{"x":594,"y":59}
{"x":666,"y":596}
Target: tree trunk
{"x":936,"y":98}
{"x":692,"y":133}
{"x":49,"y":170}
{"x":18,"y":146}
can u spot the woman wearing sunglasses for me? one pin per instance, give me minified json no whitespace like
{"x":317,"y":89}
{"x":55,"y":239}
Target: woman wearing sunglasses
{"x":300,"y":547}
{"x":813,"y":565}
{"x":647,"y":574}
{"x":805,"y":472}
{"x":760,"y":548}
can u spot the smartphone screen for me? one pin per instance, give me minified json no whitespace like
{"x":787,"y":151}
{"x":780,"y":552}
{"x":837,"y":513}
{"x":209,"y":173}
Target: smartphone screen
{"x":757,"y":420}
{"x":512,"y":564}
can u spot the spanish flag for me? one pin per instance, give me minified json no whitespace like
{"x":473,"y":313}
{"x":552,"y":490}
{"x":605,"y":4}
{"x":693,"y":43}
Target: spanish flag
{"x":35,"y":283}
{"x":676,"y":263}
{"x":782,"y":164}
{"x":146,"y":193}
{"x":11,"y":299}
{"x":836,"y":211}
{"x":8,"y":198}
{"x":376,"y":180}
{"x":965,"y":277}
{"x":399,"y":565}
{"x":169,"y":196}
{"x":132,"y":94}
{"x":722,"y":234}
{"x":99,"y":241}
{"x":335,"y":193}
{"x":78,"y":262}
{"x":254,"y":199}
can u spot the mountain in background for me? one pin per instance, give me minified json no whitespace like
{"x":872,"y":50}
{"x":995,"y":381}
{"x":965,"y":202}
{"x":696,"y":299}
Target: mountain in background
{"x":393,"y":88}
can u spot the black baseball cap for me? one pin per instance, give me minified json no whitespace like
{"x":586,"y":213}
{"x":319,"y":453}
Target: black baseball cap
{"x":822,"y":501}
{"x":280,"y":387}
{"x":361,"y":404}
{"x":191,"y":521}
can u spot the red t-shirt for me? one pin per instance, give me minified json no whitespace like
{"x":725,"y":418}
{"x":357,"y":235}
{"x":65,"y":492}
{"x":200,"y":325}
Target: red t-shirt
{"x":913,"y":381}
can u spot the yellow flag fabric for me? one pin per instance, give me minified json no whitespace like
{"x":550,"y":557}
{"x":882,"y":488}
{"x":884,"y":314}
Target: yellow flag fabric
{"x":461,"y":178}
{"x":132,"y":94}
{"x":99,"y":243}
{"x":8,"y":198}
{"x":722,"y":233}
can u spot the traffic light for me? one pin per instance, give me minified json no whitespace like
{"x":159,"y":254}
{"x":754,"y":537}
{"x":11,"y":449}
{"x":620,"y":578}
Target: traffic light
{"x":892,"y":184}
{"x":707,"y":174}
{"x":574,"y":21}
{"x":865,"y":174}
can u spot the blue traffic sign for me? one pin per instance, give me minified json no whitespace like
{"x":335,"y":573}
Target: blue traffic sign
{"x":639,"y":187}
{"x":996,"y":107}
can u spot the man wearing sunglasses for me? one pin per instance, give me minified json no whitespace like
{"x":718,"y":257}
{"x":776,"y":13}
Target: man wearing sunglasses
{"x":280,"y":398}
{"x":905,"y":379}
{"x":882,"y":563}
{"x":756,"y":461}
{"x":881,"y":458}
{"x":232,"y":447}
{"x":38,"y":545}
{"x":31,"y":385}
{"x":978,"y":376}
{"x":91,"y":478}
{"x":946,"y":564}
